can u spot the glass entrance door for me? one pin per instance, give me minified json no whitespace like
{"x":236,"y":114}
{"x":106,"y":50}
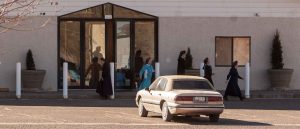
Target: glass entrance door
{"x":123,"y":55}
{"x":94,"y":47}
{"x":126,"y":43}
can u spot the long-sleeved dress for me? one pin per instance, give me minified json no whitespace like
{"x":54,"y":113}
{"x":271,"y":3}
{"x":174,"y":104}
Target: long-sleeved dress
{"x":208,"y":73}
{"x":95,"y":69}
{"x":106,"y":88}
{"x":181,"y":66}
{"x":233,"y":88}
{"x":146,"y":73}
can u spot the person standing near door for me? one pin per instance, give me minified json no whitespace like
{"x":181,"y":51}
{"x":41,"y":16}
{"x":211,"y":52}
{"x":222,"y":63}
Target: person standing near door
{"x":95,"y":69}
{"x":233,"y":88}
{"x":207,"y":70}
{"x":181,"y":63}
{"x":106,"y":88}
{"x":138,"y":64}
{"x":146,"y":73}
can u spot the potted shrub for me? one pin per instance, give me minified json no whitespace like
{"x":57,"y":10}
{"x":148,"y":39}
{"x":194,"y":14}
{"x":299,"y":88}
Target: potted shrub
{"x":280,"y":77}
{"x":32,"y":79}
{"x":189,"y":64}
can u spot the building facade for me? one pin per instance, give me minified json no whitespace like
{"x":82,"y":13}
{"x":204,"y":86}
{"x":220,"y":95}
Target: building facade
{"x":222,"y":30}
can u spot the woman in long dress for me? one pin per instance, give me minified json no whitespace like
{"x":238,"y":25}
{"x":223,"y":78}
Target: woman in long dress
{"x":146,"y":73}
{"x":233,"y":88}
{"x":138,"y":64}
{"x":106,"y":88}
{"x":181,"y":63}
{"x":95,"y":69}
{"x":208,"y":71}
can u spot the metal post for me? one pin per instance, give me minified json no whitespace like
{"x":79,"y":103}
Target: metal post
{"x":112,"y":76}
{"x":247,"y":80}
{"x":65,"y":80}
{"x":18,"y":80}
{"x":202,"y":70}
{"x":157,"y":70}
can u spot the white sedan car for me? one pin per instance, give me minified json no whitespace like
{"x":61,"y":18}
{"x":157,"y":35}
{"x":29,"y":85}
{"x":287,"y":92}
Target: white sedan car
{"x":180,"y":95}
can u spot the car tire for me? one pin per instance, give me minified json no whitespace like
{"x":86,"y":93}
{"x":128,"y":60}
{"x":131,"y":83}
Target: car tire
{"x":165,"y":113}
{"x":142,"y":110}
{"x":214,"y":117}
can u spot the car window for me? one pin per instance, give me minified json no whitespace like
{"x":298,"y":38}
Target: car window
{"x":154,"y":84}
{"x":161,"y":85}
{"x":191,"y":84}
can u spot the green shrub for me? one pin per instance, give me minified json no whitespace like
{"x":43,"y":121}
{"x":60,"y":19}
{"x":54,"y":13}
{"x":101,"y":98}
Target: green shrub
{"x":276,"y":56}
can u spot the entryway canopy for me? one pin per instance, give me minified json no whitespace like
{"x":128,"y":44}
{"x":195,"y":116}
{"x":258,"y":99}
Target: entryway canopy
{"x":108,"y":11}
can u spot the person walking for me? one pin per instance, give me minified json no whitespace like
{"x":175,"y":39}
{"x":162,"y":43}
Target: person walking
{"x":146,"y":73}
{"x":181,"y":63}
{"x":208,"y":70}
{"x":233,"y":88}
{"x":106,"y":88}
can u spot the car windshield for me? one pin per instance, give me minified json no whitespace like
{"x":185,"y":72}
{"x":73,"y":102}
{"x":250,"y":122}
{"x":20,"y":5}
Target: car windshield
{"x":191,"y":84}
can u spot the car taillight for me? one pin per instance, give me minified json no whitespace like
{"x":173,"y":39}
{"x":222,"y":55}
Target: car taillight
{"x":214,"y":99}
{"x":184,"y":98}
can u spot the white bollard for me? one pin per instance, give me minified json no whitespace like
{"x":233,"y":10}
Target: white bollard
{"x":18,"y":80}
{"x":202,"y":70}
{"x":112,"y":76}
{"x":65,"y":80}
{"x":247,"y":80}
{"x":157,"y":70}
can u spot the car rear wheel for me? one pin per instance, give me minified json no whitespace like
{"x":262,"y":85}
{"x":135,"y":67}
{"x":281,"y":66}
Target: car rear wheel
{"x":214,"y":117}
{"x":142,"y":110}
{"x":166,"y":115}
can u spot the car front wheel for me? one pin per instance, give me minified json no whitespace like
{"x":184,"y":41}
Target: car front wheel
{"x":142,"y":110}
{"x":166,"y":115}
{"x":214,"y":118}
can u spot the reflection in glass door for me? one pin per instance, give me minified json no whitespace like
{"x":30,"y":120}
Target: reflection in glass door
{"x":122,"y":55}
{"x":94,"y":47}
{"x":70,"y":51}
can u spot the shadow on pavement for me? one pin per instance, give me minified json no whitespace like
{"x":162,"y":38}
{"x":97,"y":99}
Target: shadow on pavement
{"x":69,"y":102}
{"x":264,"y":104}
{"x":252,"y":104}
{"x":205,"y":121}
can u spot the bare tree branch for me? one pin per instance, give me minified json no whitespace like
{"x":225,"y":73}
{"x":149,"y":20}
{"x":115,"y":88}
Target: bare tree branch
{"x":12,"y":12}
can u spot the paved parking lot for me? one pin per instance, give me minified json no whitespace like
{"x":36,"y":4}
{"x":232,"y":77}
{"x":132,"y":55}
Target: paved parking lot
{"x":122,"y":114}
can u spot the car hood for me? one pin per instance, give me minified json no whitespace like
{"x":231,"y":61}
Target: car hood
{"x":196,"y":92}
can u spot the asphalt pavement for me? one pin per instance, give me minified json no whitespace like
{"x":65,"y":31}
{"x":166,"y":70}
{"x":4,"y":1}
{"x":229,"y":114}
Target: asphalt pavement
{"x":122,"y":114}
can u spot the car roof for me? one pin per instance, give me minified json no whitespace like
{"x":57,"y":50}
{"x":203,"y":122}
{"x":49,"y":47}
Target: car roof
{"x":175,"y":77}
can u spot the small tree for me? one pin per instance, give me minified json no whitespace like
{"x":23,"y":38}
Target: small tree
{"x":29,"y":61}
{"x":276,"y":56}
{"x":188,"y":60}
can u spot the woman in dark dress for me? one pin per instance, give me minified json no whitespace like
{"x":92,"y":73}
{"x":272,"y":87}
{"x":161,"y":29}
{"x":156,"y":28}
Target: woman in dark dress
{"x":181,"y":63}
{"x":106,"y":88}
{"x":207,"y":71}
{"x":233,"y":88}
{"x":138,"y":63}
{"x":95,"y":69}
